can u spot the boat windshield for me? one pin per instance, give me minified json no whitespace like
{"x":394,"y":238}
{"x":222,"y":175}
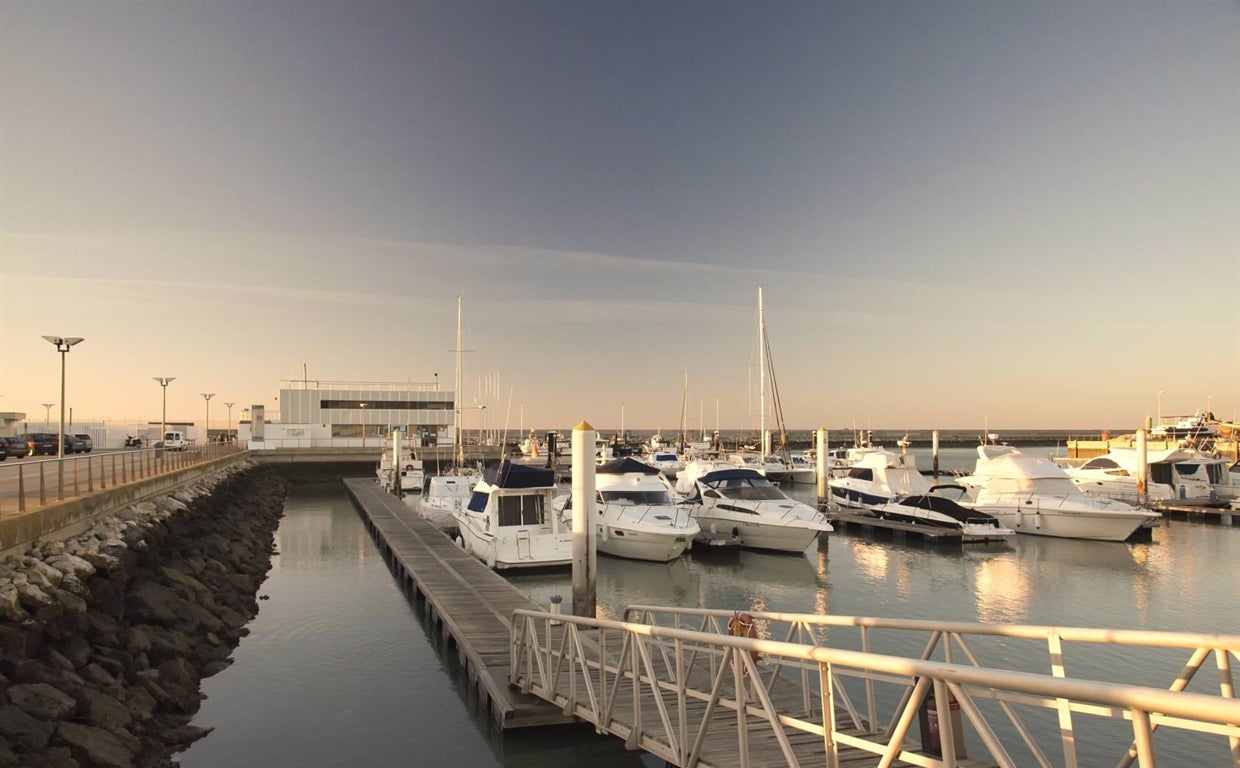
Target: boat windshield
{"x":746,"y":489}
{"x":660,"y":497}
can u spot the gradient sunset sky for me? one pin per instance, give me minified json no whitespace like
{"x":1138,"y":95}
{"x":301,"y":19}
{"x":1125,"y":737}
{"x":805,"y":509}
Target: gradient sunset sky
{"x":1023,"y":214}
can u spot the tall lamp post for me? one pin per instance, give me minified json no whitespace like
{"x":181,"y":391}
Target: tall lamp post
{"x":62,"y":345}
{"x":229,"y":434}
{"x":47,"y":416}
{"x":164,"y":381}
{"x":363,"y":407}
{"x":206,"y":430}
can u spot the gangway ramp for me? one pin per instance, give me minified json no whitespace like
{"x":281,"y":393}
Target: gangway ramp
{"x":693,"y":694}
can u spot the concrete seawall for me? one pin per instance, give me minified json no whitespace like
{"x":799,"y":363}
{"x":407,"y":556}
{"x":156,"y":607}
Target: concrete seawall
{"x":70,"y":517}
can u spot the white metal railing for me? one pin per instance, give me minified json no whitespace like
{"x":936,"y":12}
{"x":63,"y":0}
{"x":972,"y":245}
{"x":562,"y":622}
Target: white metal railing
{"x":677,"y":675}
{"x":27,"y":484}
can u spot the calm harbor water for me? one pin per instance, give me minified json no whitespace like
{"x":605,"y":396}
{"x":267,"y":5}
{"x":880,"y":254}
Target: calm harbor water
{"x":339,"y":671}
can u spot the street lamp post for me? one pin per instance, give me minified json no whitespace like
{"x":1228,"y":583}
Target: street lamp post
{"x":363,"y":407}
{"x":436,"y":381}
{"x":206,"y":429}
{"x":164,"y":381}
{"x":47,"y":416}
{"x":228,"y":435}
{"x":62,"y":345}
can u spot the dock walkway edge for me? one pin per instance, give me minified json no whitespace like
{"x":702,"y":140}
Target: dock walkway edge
{"x":467,"y":604}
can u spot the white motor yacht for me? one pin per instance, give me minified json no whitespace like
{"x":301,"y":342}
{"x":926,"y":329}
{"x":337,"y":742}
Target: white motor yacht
{"x":635,"y":514}
{"x":666,"y":461}
{"x":744,"y":504}
{"x":1172,"y":477}
{"x":1032,"y":495}
{"x":889,"y":486}
{"x":509,"y":521}
{"x":802,"y":469}
{"x":399,"y":470}
{"x":941,"y":512}
{"x":874,"y":476}
{"x":696,"y":468}
{"x":442,"y":496}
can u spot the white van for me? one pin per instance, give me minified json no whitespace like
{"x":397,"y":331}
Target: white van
{"x":175,"y":441}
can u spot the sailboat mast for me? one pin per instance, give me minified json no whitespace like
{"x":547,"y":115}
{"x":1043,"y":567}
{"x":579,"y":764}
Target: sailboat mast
{"x":684,"y":413}
{"x":761,"y":377}
{"x":456,"y":395}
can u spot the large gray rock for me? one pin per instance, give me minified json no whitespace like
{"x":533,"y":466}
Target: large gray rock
{"x":20,"y":728}
{"x":150,"y":602}
{"x":103,"y":710}
{"x":72,"y":564}
{"x":33,"y":598}
{"x":99,"y":747}
{"x":40,"y":569}
{"x":41,"y":700}
{"x":178,"y":578}
{"x":71,"y":603}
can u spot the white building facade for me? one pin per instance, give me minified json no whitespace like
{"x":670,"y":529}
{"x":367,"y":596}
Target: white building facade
{"x":351,"y":413}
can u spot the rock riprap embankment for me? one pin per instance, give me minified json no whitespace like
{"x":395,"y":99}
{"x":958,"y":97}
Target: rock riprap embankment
{"x":105,"y":637}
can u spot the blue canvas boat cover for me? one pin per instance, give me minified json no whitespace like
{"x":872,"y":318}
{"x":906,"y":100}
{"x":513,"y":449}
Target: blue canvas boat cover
{"x":508,"y":475}
{"x":624,"y":466}
{"x":721,"y":475}
{"x":728,"y":474}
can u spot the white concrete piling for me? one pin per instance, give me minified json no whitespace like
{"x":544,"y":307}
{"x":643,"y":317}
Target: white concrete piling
{"x":585,"y":557}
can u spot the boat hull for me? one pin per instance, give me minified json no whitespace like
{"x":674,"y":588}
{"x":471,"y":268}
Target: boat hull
{"x":659,"y":547}
{"x":1067,"y":523}
{"x":759,"y":535}
{"x":515,"y":547}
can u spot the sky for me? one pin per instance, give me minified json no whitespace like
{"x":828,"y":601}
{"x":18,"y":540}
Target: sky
{"x":1024,"y":215}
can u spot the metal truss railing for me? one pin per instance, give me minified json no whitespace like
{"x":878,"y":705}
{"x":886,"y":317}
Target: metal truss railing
{"x":661,"y":679}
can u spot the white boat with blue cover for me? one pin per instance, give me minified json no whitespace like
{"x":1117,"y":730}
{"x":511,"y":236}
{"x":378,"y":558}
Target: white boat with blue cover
{"x":890,"y":486}
{"x":636,"y":515}
{"x":510,"y":520}
{"x":744,"y":504}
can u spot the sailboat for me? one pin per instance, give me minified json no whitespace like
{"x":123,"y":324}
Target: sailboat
{"x":779,"y":467}
{"x":444,"y":495}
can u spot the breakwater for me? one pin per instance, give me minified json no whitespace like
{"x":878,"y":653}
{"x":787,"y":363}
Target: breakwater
{"x":105,"y":637}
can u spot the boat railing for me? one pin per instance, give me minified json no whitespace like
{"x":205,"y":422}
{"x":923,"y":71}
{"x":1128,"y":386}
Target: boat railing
{"x":881,"y":672}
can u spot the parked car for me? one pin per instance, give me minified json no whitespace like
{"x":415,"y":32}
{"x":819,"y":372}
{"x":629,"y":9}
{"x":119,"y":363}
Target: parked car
{"x":12,"y":447}
{"x":74,"y":444}
{"x":41,"y":443}
{"x":82,"y":443}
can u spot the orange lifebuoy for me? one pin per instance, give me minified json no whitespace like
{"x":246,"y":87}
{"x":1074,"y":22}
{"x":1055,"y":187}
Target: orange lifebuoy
{"x":741,"y":625}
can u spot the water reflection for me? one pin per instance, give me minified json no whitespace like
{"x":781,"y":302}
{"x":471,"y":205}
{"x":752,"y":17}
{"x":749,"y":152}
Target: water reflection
{"x":339,"y":669}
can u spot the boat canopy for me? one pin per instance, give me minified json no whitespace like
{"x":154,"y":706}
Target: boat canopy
{"x":624,"y":466}
{"x":508,"y":475}
{"x":737,"y":483}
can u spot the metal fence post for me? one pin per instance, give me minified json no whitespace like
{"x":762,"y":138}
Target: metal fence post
{"x":42,"y":485}
{"x":21,"y":489}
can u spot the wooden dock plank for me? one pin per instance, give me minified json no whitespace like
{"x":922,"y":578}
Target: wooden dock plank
{"x":473,"y":603}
